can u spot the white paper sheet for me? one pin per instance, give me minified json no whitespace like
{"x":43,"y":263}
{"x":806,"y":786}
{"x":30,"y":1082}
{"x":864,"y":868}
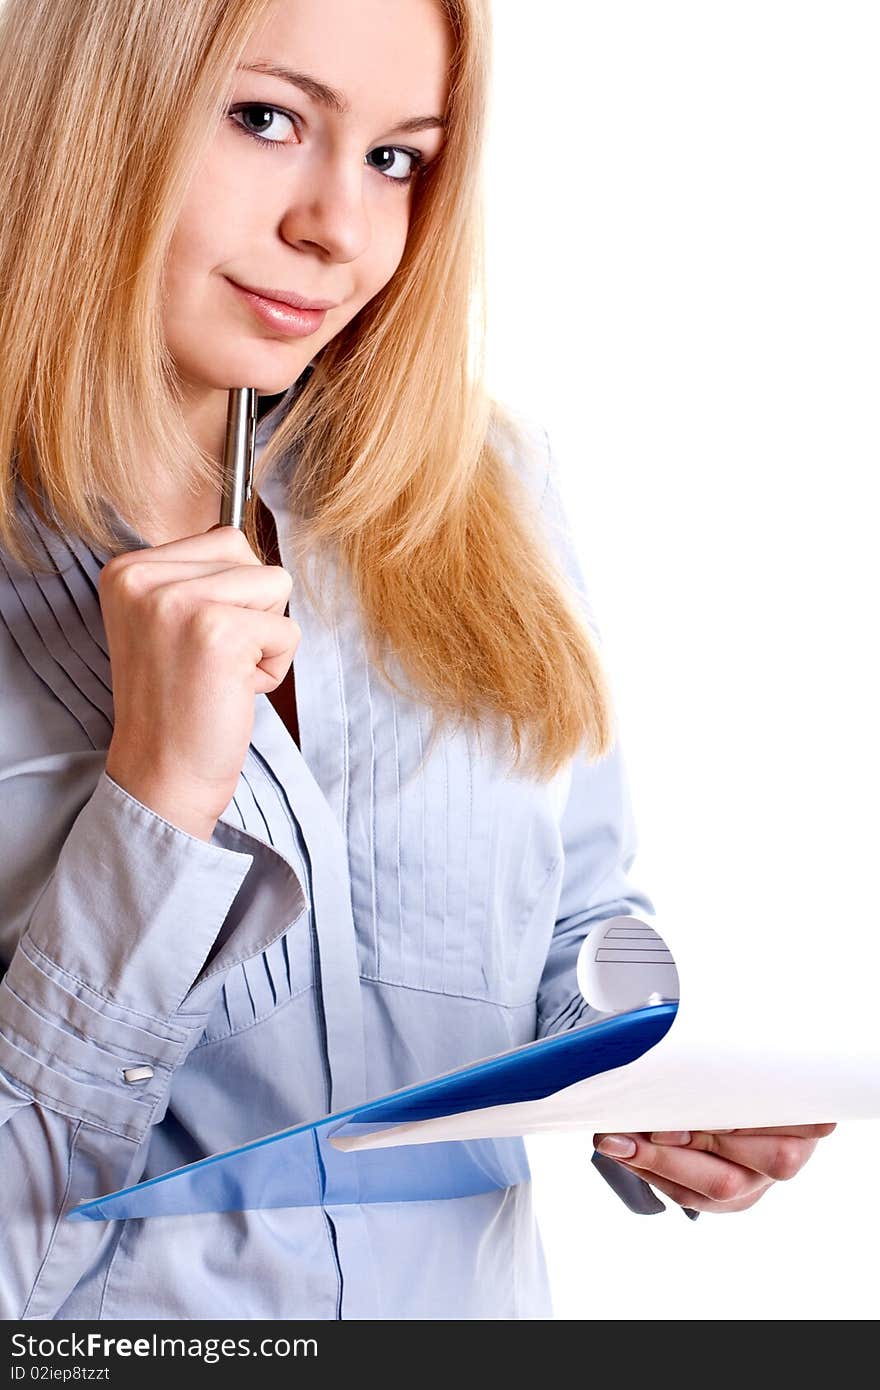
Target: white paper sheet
{"x":780,"y":1037}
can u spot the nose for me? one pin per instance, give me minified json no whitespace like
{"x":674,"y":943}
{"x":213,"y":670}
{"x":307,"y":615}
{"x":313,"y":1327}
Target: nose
{"x":327,"y":208}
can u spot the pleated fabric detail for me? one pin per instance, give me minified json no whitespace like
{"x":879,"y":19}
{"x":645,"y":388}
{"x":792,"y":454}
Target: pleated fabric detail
{"x":447,"y":854}
{"x":52,"y":621}
{"x":255,"y":988}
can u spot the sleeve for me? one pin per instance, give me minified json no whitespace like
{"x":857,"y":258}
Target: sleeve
{"x":107,"y":990}
{"x":599,"y":845}
{"x":597,"y":825}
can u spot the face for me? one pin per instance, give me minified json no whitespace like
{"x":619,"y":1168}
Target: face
{"x":297,"y":196}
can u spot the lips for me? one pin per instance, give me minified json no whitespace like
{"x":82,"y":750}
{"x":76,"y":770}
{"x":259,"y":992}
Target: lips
{"x":286,"y":319}
{"x":289,"y":297}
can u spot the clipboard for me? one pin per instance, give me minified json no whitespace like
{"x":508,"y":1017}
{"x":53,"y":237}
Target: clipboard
{"x":300,"y":1166}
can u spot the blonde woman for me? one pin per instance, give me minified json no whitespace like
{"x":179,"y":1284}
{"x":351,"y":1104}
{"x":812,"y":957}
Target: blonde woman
{"x":273,"y":847}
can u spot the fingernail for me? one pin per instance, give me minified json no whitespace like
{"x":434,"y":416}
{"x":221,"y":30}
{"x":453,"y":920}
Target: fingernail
{"x":671,"y":1136}
{"x":617,"y":1146}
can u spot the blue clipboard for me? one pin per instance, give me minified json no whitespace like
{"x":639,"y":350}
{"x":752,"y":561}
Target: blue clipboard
{"x":300,"y":1167}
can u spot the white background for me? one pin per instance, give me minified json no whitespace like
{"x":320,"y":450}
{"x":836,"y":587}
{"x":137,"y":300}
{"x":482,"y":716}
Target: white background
{"x":684,"y":225}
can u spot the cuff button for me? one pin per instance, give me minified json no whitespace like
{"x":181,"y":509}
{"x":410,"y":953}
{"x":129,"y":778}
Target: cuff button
{"x":137,"y":1073}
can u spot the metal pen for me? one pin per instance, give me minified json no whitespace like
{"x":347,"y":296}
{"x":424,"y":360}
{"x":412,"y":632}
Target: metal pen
{"x":238,"y":455}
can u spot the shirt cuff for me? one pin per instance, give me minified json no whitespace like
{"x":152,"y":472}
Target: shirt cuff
{"x":64,"y":1047}
{"x":135,"y":903}
{"x":91,"y":1002}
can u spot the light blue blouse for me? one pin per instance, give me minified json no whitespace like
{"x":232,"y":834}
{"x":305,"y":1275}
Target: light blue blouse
{"x":363,"y":918}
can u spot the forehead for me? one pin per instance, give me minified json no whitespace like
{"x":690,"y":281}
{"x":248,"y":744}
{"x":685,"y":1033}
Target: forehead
{"x":387,"y":57}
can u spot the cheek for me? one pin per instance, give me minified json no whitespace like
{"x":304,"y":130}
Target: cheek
{"x":206,"y":223}
{"x":389,"y":244}
{"x":186,"y":253}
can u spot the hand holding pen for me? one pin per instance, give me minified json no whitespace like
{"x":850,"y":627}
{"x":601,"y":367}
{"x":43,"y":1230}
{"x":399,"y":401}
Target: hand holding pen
{"x":195,"y":629}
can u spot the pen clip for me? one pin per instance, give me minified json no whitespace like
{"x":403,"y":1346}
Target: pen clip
{"x":252,"y":437}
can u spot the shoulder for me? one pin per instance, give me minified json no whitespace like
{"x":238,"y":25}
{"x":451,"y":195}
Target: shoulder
{"x":528,"y":447}
{"x":524,"y":444}
{"x":531,"y":449}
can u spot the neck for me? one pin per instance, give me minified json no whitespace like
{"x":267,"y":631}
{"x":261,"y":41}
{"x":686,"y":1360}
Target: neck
{"x":184,"y":513}
{"x":205,"y":415}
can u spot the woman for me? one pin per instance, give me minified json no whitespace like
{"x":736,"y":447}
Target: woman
{"x":232,"y":902}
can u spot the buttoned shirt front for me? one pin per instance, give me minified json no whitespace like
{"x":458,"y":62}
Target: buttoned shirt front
{"x":367,"y":914}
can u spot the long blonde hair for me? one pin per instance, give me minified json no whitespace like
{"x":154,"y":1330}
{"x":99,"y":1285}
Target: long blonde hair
{"x":402,"y":459}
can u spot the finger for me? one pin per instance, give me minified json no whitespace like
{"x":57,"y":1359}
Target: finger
{"x":698,"y":1201}
{"x":706,"y":1173}
{"x":144,"y":576}
{"x":800,"y":1131}
{"x":777,"y":1156}
{"x":246,"y":586}
{"x":668,"y":1136}
{"x":269,"y":640}
{"x":224,"y":541}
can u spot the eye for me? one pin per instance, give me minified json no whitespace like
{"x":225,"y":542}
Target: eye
{"x":265,"y":115}
{"x":416,"y":162}
{"x":265,"y":111}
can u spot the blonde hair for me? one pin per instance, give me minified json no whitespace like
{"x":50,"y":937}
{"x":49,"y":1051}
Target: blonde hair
{"x":402,"y":466}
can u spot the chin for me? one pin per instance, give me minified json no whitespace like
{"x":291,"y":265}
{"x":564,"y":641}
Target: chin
{"x":270,"y":381}
{"x":263,"y":382}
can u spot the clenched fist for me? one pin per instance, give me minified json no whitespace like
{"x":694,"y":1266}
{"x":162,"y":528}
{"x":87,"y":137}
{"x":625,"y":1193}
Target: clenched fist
{"x":195,"y":630}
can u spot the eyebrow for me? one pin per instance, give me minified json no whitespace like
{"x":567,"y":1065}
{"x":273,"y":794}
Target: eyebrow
{"x":330,"y":97}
